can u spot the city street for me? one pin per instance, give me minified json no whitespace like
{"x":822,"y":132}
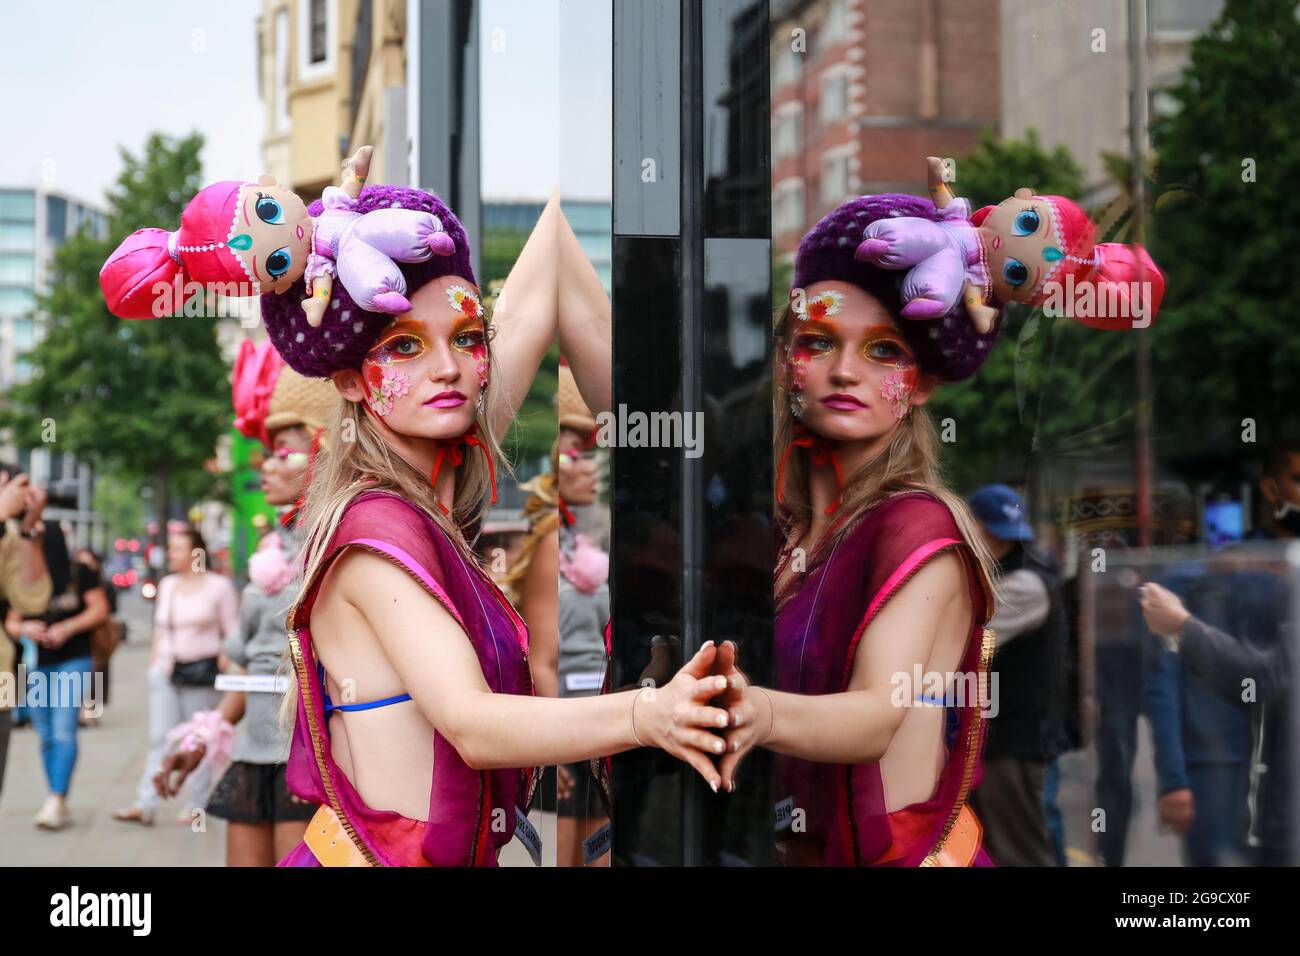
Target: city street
{"x":110,"y":757}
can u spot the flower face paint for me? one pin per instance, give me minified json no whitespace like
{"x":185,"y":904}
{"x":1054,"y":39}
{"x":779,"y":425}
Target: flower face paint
{"x":464,"y":300}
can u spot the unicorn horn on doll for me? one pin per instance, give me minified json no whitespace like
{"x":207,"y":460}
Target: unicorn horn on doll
{"x":244,"y":239}
{"x":1037,"y":250}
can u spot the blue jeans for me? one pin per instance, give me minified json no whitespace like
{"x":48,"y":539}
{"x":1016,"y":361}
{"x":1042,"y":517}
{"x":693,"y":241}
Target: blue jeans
{"x":55,"y":714}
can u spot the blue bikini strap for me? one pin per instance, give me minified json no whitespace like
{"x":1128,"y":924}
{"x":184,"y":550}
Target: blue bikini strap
{"x":370,"y":705}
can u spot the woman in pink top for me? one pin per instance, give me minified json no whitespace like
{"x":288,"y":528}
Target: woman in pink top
{"x":194,"y":612}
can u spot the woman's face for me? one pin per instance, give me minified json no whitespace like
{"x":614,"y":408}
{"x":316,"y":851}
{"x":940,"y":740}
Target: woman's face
{"x":180,"y":553}
{"x":856,"y":374}
{"x":578,"y":470}
{"x":425,"y":372}
{"x":284,"y":471}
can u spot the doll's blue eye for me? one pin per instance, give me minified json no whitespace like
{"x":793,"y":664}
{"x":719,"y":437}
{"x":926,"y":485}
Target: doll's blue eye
{"x":1025,"y":224}
{"x":278,"y":262}
{"x":269,"y":211}
{"x":1015,"y":273}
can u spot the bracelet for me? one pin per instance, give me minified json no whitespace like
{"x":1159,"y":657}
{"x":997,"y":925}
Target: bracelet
{"x":771,"y":722}
{"x":634,"y":735}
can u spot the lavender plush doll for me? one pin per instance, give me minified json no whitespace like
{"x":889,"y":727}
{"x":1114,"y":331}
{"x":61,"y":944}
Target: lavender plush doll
{"x":946,"y":259}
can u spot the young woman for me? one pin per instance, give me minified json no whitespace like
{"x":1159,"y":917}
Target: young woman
{"x":289,"y":414}
{"x":883,"y":584}
{"x":63,"y":668}
{"x":413,"y":690}
{"x":195,"y":611}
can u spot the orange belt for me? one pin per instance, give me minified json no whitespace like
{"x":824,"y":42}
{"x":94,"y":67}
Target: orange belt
{"x":329,"y":842}
{"x":963,"y":841}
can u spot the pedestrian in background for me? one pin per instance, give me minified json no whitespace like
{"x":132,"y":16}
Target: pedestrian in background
{"x":24,"y":578}
{"x":1025,"y":733}
{"x":63,"y":679}
{"x":196,"y":610}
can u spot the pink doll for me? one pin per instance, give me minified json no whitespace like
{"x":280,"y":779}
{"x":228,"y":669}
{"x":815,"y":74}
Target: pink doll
{"x":243,"y":239}
{"x":1038,"y":250}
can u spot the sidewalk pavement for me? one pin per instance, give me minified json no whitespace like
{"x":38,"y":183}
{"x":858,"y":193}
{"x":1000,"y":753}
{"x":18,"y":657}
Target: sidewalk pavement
{"x":110,"y":757}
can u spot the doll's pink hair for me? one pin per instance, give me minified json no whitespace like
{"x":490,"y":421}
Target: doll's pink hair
{"x":199,"y":251}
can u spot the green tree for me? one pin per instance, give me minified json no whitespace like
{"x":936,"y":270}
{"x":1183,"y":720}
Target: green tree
{"x":1050,"y":385}
{"x":1225,"y":346}
{"x":996,"y":168}
{"x":143,"y":399}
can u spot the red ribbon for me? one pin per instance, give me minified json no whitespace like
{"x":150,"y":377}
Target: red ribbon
{"x":821,"y":451}
{"x":453,"y":449}
{"x":566,"y":514}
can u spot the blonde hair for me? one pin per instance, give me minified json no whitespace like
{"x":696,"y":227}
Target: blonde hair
{"x":909,"y":462}
{"x":360,"y":459}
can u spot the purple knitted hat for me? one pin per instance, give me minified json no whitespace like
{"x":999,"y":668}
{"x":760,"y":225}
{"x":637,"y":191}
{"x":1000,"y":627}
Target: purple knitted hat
{"x":348,"y":331}
{"x":948,"y":348}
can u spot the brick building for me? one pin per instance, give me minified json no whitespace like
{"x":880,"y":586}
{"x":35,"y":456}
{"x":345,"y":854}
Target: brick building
{"x":864,"y":90}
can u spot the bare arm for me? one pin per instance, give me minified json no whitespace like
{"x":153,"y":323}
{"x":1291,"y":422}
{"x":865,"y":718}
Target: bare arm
{"x":585,"y":322}
{"x":438,"y":667}
{"x":540,"y":608}
{"x":856,"y":726}
{"x":95,"y":612}
{"x":525,"y":317}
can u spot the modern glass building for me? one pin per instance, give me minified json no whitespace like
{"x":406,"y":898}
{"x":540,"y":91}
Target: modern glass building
{"x":33,"y":224}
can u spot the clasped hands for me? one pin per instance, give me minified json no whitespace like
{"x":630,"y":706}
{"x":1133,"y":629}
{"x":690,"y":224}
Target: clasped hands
{"x":708,"y":715}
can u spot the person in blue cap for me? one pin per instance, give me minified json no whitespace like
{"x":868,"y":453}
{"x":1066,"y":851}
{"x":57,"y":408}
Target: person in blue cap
{"x":1024,"y":733}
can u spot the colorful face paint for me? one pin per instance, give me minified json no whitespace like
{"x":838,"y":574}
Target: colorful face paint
{"x":884,"y":346}
{"x":385,"y":385}
{"x":464,"y":300}
{"x":824,"y":305}
{"x":470,"y":338}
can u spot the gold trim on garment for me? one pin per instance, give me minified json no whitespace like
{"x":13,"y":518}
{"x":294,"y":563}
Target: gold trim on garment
{"x":987,"y":645}
{"x":295,"y":649}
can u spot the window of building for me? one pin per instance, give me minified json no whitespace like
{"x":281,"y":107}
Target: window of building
{"x":17,"y":301}
{"x":835,"y":177}
{"x":1182,"y":16}
{"x":835,"y":96}
{"x":787,"y":212}
{"x":24,"y":334}
{"x":787,"y":132}
{"x":789,"y":65}
{"x":319,"y":33}
{"x":17,"y":237}
{"x":20,"y":205}
{"x":17,"y":269}
{"x":281,"y":66}
{"x":56,"y":218}
{"x":837,"y":21}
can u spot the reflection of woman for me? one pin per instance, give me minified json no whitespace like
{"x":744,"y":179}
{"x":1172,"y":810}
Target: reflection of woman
{"x":413,"y":690}
{"x":196,"y":609}
{"x":883,"y":585}
{"x":64,"y":669}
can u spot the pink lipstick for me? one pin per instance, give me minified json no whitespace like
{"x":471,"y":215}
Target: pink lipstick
{"x":842,"y":402}
{"x":448,"y":399}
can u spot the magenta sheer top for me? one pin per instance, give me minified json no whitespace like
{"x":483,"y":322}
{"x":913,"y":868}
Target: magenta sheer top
{"x":820,"y":621}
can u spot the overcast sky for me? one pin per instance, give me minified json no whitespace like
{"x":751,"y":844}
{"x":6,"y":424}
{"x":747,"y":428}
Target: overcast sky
{"x":83,"y":77}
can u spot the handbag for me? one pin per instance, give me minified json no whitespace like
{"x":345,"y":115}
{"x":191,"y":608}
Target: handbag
{"x":104,"y":639}
{"x":199,"y":673}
